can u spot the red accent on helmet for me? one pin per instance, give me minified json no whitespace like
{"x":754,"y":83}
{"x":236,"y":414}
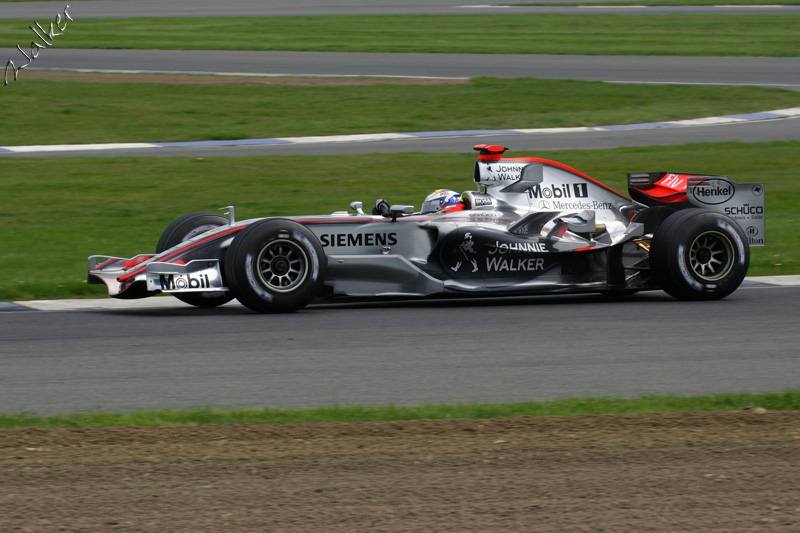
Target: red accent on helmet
{"x":455,"y":207}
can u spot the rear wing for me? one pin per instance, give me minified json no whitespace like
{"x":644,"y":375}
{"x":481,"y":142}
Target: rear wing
{"x":743,"y":202}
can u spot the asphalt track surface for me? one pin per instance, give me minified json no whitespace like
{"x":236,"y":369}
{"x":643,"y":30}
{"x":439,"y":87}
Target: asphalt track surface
{"x":762,"y":71}
{"x":758,"y":131}
{"x":506,"y":350}
{"x":406,"y":354}
{"x":769,"y":72}
{"x":261,"y":8}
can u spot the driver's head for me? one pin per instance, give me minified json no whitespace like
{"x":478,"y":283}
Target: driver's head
{"x":442,"y":201}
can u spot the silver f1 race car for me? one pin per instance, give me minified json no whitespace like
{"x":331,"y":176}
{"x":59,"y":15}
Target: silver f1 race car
{"x":533,"y":226}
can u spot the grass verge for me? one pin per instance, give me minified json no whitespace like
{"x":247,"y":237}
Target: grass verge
{"x":55,"y":112}
{"x":567,"y":407}
{"x":56,"y":213}
{"x":722,"y":35}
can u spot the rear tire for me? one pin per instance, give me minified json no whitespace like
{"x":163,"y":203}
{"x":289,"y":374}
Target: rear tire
{"x":699,"y":254}
{"x":653,"y":217}
{"x":183,"y":229}
{"x":275,"y":266}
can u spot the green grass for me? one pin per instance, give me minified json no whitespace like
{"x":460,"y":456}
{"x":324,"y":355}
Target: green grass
{"x":57,"y":212}
{"x":53,"y":112}
{"x":695,"y":35}
{"x":567,"y":407}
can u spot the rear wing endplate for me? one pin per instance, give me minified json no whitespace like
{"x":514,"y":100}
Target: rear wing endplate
{"x":743,"y":202}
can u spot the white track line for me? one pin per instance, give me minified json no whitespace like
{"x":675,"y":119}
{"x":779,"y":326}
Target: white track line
{"x":246,"y":74}
{"x":727,"y":119}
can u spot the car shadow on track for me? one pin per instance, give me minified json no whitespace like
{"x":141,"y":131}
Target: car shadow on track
{"x":233,"y":308}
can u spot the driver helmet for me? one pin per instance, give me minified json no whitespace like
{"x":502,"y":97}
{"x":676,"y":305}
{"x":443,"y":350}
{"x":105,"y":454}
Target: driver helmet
{"x":442,"y":201}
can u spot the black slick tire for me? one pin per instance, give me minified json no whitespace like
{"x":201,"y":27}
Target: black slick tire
{"x":653,"y":217}
{"x":183,"y":229}
{"x":699,"y":254}
{"x":275,"y":266}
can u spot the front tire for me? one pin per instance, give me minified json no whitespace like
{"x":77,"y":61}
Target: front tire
{"x":275,"y":266}
{"x":699,"y":254}
{"x":183,"y":229}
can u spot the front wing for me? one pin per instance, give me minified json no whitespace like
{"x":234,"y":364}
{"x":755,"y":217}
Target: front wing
{"x":202,"y":275}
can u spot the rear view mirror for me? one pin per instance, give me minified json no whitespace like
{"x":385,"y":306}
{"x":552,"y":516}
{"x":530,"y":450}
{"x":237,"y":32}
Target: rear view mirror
{"x":398,"y":210}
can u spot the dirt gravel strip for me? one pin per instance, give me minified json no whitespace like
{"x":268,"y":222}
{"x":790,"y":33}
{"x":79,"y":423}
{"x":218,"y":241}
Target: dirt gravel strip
{"x":732,"y":472}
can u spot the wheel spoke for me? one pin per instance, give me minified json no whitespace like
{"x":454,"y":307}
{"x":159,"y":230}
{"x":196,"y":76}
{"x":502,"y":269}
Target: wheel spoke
{"x":711,"y":256}
{"x":283,"y":265}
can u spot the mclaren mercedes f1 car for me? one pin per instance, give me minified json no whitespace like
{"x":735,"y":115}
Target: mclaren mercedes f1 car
{"x":531,"y":226}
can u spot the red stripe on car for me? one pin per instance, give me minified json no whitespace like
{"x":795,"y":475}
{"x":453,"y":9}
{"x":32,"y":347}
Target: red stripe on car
{"x":173,"y":254}
{"x":562,"y":166}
